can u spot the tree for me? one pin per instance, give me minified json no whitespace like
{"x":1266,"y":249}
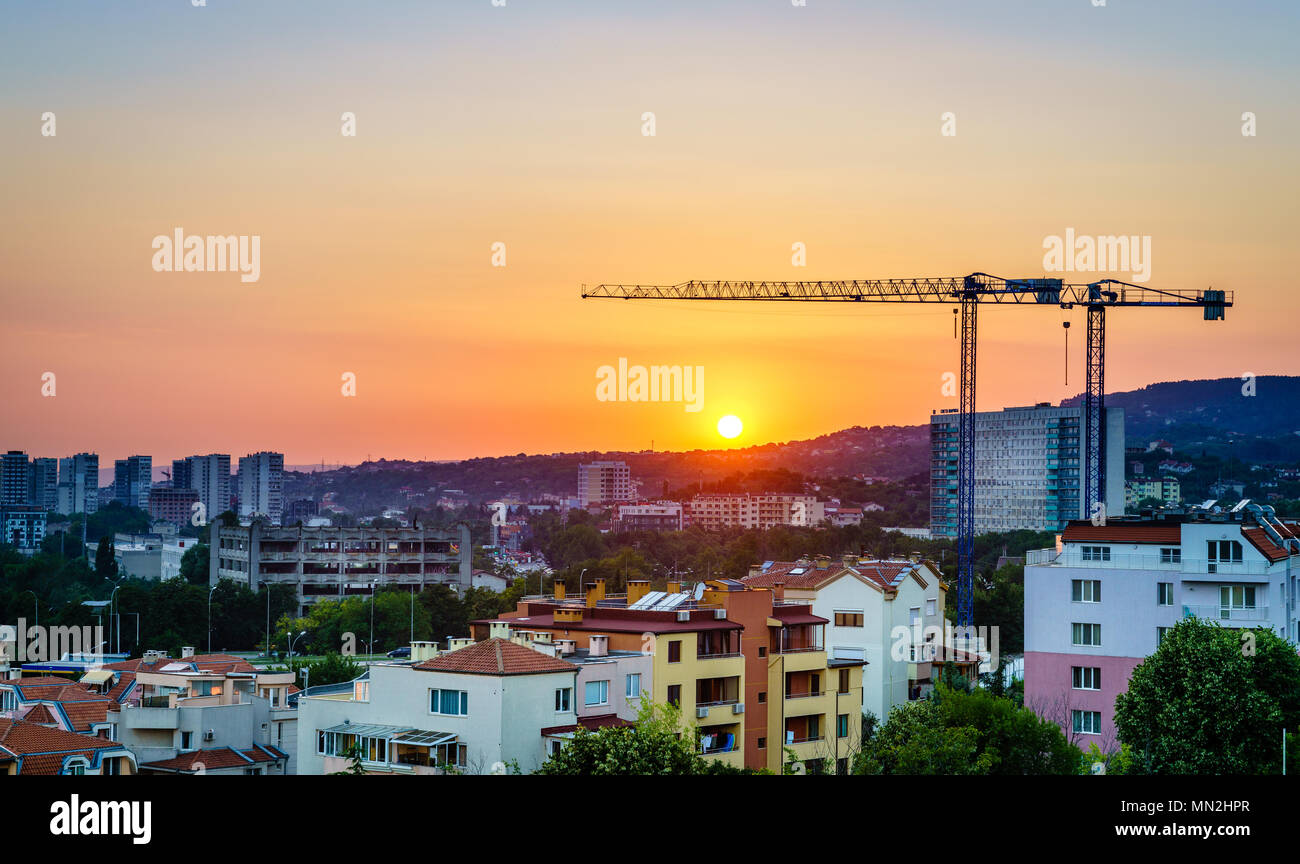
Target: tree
{"x":194,"y":564}
{"x":1211,"y":701}
{"x":105,"y":562}
{"x":655,"y":745}
{"x":333,"y":668}
{"x":915,"y":741}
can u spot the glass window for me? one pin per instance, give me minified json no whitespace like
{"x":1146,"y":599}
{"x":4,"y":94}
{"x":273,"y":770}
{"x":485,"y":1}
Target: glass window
{"x":1085,"y":590}
{"x":675,"y":651}
{"x":596,"y":693}
{"x":1085,"y":677}
{"x":564,"y":699}
{"x":1165,"y":593}
{"x":633,"y":689}
{"x":451,"y":702}
{"x":1087,"y":722}
{"x":1085,"y":634}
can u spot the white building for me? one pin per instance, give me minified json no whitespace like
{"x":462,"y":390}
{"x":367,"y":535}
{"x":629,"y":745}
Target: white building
{"x":261,"y":486}
{"x":604,"y":483}
{"x":79,"y":483}
{"x":210,"y":477}
{"x":173,"y":551}
{"x":763,"y":511}
{"x":476,"y":710}
{"x":1028,"y":468}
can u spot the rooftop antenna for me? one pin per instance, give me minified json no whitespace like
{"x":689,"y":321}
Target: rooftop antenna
{"x":698,"y":592}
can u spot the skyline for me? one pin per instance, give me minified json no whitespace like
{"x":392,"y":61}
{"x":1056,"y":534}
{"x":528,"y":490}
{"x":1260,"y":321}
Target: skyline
{"x":775,"y":125}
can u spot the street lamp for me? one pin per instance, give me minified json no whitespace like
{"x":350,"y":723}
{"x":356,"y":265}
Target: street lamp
{"x":293,"y":639}
{"x":111,"y":598}
{"x":210,"y":590}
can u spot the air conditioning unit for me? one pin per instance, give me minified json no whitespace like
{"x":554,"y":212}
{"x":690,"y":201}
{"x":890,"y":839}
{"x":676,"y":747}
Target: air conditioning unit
{"x":209,"y":735}
{"x":684,"y":615}
{"x":701,"y":713}
{"x":738,"y":708}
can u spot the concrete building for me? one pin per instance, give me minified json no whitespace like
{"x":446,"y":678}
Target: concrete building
{"x":209,"y":476}
{"x":659,"y":516}
{"x":132,"y":480}
{"x":762,"y":511}
{"x":44,"y":485}
{"x":261,"y":486}
{"x":15,"y":478}
{"x":22,"y":526}
{"x":175,"y":506}
{"x":28,"y":748}
{"x":1028,"y":468}
{"x":1098,"y":604}
{"x":1168,"y":490}
{"x":604,"y":483}
{"x":473,"y":710}
{"x":79,"y":483}
{"x":332,"y":562}
{"x":173,"y":552}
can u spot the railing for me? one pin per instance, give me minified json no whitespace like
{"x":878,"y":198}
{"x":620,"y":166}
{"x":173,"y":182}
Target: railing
{"x":809,"y":695}
{"x":1224,"y":613}
{"x":790,"y":740}
{"x":155,"y":701}
{"x":719,"y":655}
{"x":716,"y":704}
{"x":799,"y":650}
{"x":1199,"y":567}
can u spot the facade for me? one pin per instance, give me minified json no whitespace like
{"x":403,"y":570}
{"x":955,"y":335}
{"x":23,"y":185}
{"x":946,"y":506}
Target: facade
{"x":472,"y":710}
{"x":878,"y":612}
{"x":15,"y":478}
{"x":22,"y":526}
{"x":261,"y":486}
{"x":660,"y":516}
{"x":1167,"y":490}
{"x":1097,"y":605}
{"x":604,"y":483}
{"x":132,"y":480}
{"x":1028,"y":468}
{"x":763,"y":511}
{"x":330,"y":562}
{"x":79,"y":483}
{"x":209,"y":477}
{"x":44,"y":486}
{"x":172,"y":505}
{"x":300,"y":510}
{"x":173,"y":552}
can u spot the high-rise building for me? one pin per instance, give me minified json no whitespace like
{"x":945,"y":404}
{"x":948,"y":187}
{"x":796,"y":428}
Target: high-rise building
{"x":132,"y":480}
{"x":15,"y":478}
{"x":44,"y":484}
{"x":79,"y":483}
{"x":1028,"y":468}
{"x":209,"y":476}
{"x":172,"y":505}
{"x":604,"y":483}
{"x":261,"y":486}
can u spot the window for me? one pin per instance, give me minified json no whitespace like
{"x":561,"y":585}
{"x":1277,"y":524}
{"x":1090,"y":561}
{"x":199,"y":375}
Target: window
{"x":848,"y":619}
{"x":915,"y":615}
{"x":555,"y":748}
{"x":1225,"y":551}
{"x":633,"y":689}
{"x":1161,"y":632}
{"x":842,"y":766}
{"x":187,"y":740}
{"x":762,"y":696}
{"x":675,"y":695}
{"x":675,"y":651}
{"x":762,"y":650}
{"x":1164,"y":593}
{"x":111,"y":766}
{"x":76,"y":766}
{"x":931,"y":608}
{"x":564,"y":699}
{"x":1085,"y":634}
{"x":1096,"y":553}
{"x":844,"y":681}
{"x":1085,"y":590}
{"x":451,"y":702}
{"x":8,"y":701}
{"x":814,"y":727}
{"x":596,"y":693}
{"x":1171,"y":556}
{"x":842,"y":726}
{"x":762,"y":743}
{"x":1087,"y":722}
{"x":1236,"y":597}
{"x":1086,"y":677}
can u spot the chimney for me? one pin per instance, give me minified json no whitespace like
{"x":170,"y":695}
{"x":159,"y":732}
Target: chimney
{"x":595,"y":592}
{"x":187,"y":652}
{"x":823,"y":561}
{"x":674,"y":587}
{"x":599,"y":646}
{"x":849,"y":560}
{"x":778,"y":590}
{"x":559,"y":590}
{"x":636,"y":589}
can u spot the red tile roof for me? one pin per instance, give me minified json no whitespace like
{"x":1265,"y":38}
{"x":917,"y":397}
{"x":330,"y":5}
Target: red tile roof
{"x":40,"y":713}
{"x":496,"y":657}
{"x":883,"y":573}
{"x":1123,"y":532}
{"x":215,"y":759}
{"x":42,"y":749}
{"x":1259,"y":538}
{"x":600,"y":721}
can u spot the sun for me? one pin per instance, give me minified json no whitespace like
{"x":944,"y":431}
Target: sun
{"x":730,"y":426}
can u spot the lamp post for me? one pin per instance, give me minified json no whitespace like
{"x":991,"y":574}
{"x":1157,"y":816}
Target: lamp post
{"x":210,"y":590}
{"x":111,"y":598}
{"x":293,"y":639}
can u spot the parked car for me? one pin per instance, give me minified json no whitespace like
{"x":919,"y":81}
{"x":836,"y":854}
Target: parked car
{"x":399,"y":653}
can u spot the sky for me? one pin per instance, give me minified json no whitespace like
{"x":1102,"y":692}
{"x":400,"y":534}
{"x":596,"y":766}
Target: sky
{"x":523,"y":125}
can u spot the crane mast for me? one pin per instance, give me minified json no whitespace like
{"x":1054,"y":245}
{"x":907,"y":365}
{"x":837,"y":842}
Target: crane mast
{"x":968,"y":292}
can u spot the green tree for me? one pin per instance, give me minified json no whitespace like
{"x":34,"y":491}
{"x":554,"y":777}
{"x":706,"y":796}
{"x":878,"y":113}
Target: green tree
{"x":105,"y":562}
{"x":655,"y":745}
{"x":194,"y":564}
{"x":333,"y":668}
{"x":1211,"y":701}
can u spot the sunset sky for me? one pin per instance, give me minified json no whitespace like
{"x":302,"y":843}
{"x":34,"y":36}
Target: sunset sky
{"x":522,"y":124}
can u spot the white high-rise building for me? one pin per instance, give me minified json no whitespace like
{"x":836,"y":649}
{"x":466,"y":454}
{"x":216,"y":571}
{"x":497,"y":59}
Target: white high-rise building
{"x":604,"y":483}
{"x":210,"y":477}
{"x":261,"y":486}
{"x":1028,"y":468}
{"x":79,"y":483}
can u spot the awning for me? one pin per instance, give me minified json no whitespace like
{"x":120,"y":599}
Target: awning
{"x":97,"y":676}
{"x":369,"y":730}
{"x":423,"y":738}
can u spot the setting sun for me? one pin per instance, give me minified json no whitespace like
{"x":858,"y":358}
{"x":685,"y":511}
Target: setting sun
{"x":730,"y":426}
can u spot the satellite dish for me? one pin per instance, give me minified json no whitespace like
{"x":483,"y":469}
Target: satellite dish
{"x":699,"y":590}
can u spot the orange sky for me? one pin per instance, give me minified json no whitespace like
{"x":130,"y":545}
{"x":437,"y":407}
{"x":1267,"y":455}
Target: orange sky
{"x":817,"y":125}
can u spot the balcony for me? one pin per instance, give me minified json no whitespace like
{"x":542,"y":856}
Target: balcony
{"x":1228,"y":617}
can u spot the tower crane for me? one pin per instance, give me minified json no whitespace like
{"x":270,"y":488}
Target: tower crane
{"x":968,"y":292}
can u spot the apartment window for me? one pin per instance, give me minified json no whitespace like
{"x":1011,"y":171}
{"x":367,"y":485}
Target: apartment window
{"x":77,"y":767}
{"x":675,"y":695}
{"x":1161,"y":632}
{"x":454,"y":703}
{"x":915,"y":615}
{"x":1236,"y":597}
{"x":1096,"y":553}
{"x":187,"y":740}
{"x":1085,"y":634}
{"x":931,"y":608}
{"x":848,"y":619}
{"x":564,"y":699}
{"x":555,"y":748}
{"x":762,"y":650}
{"x":1087,"y":722}
{"x":596,"y":693}
{"x":814,"y":727}
{"x":762,"y":696}
{"x":675,"y":651}
{"x":1164,"y":593}
{"x":1171,"y":556}
{"x":111,"y":766}
{"x":1085,"y":590}
{"x":8,"y":701}
{"x":842,"y":726}
{"x":844,"y":681}
{"x":762,"y":743}
{"x":1225,"y":551}
{"x":633,"y":688}
{"x":842,"y":766}
{"x":1085,"y":677}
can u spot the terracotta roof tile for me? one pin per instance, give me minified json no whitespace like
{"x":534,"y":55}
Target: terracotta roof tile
{"x":1259,"y":538}
{"x":48,"y":746}
{"x":496,"y":657}
{"x":1123,"y":532}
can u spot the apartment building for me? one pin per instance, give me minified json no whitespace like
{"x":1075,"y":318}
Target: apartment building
{"x":30,"y":748}
{"x":209,"y":477}
{"x":604,"y":483}
{"x":746,"y":667}
{"x":881,"y":613}
{"x":1028,"y":468}
{"x":767,"y":510}
{"x":132,"y":480}
{"x":657,"y":516}
{"x":1098,"y":604}
{"x":22,"y":525}
{"x":329,"y":562}
{"x":56,"y":702}
{"x":261,"y":486}
{"x":473,"y":710}
{"x":44,"y":485}
{"x":172,"y":505}
{"x":1168,"y":490}
{"x":79,"y":483}
{"x":15,"y":478}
